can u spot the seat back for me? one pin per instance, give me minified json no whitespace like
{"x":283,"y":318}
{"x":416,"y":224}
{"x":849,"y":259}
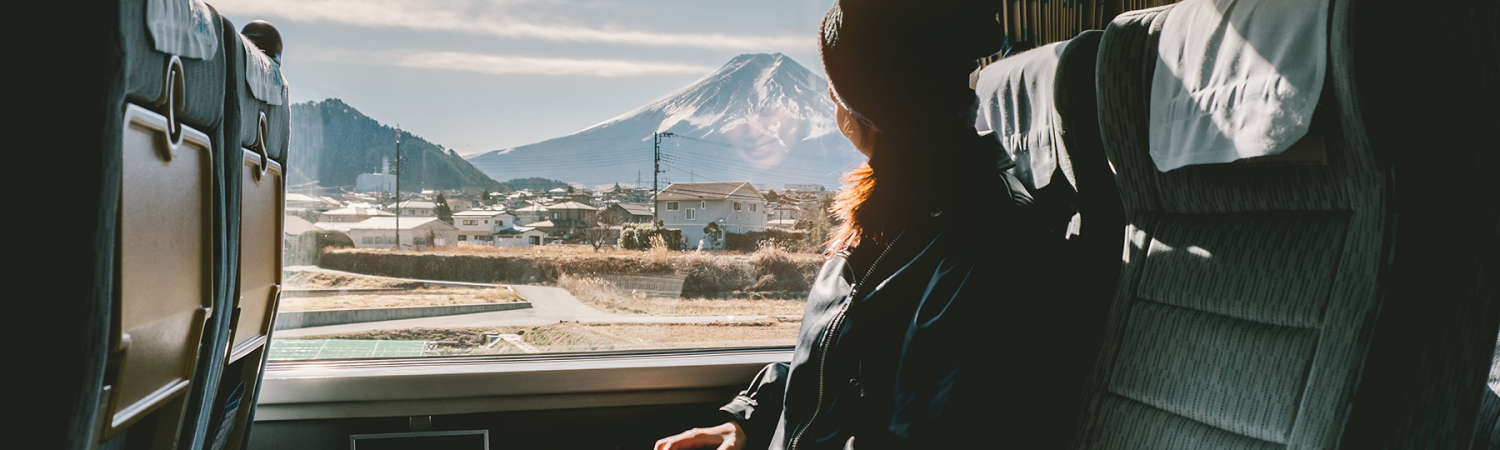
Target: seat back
{"x":1078,"y":205}
{"x":255,"y":187}
{"x":1253,"y":296}
{"x":1247,"y":291}
{"x":167,"y":235}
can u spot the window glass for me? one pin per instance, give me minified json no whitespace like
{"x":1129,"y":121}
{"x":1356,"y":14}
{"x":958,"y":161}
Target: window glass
{"x":550,"y":113}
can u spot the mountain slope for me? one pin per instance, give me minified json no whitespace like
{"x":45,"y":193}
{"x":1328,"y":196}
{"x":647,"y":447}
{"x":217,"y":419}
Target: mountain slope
{"x":760,"y":118}
{"x":334,"y":143}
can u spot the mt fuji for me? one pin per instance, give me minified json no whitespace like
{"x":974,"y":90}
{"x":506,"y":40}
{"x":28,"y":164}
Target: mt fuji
{"x":760,"y":118}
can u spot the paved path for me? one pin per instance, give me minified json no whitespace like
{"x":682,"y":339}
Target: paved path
{"x":548,"y":305}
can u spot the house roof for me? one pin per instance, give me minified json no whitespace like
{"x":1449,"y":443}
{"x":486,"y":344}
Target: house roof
{"x":637,"y":209}
{"x":294,"y":225}
{"x":542,"y":224}
{"x":480,"y":213}
{"x":572,"y":205}
{"x":532,"y":208}
{"x":336,"y":226}
{"x":350,"y":211}
{"x":557,"y":190}
{"x":705,"y":191}
{"x":418,"y":204}
{"x":516,"y":230}
{"x":295,"y":197}
{"x":389,"y":223}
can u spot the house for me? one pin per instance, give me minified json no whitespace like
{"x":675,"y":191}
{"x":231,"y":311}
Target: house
{"x":354,"y":213}
{"x":380,"y":232}
{"x":529,"y":214}
{"x":519,"y":237}
{"x":480,"y":225}
{"x":418,"y":208}
{"x":735,"y":207}
{"x":299,"y":241}
{"x":304,"y":202}
{"x":631,"y":212}
{"x":566,"y":217}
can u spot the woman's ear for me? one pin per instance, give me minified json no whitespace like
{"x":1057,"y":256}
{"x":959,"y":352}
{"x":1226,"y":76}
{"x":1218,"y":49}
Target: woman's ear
{"x":859,"y":133}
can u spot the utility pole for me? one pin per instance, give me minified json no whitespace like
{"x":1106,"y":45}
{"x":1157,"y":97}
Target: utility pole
{"x":656,"y":169}
{"x":398,"y":187}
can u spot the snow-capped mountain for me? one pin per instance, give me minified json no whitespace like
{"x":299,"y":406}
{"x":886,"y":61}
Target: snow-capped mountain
{"x":760,"y":118}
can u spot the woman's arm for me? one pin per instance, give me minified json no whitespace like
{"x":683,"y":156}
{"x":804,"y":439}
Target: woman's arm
{"x":752,"y":416}
{"x":758,"y":407}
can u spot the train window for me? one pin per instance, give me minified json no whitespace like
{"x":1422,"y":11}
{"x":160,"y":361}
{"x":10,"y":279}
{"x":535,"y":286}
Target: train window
{"x":573,"y":131}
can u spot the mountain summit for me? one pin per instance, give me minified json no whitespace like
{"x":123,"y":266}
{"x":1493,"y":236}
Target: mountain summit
{"x":762,"y":118}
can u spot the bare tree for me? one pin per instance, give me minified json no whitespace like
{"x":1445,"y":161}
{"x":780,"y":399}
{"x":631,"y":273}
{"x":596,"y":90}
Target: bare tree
{"x":600,"y":226}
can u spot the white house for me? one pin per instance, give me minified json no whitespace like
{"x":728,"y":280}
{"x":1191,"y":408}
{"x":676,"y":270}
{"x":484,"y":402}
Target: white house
{"x":480,"y":225}
{"x":354,"y":213}
{"x":519,"y":237}
{"x":380,"y":232}
{"x":418,"y":208}
{"x":529,"y":214}
{"x":736,"y":207}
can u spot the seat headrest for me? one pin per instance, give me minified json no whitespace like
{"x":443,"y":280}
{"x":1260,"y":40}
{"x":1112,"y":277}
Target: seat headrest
{"x":1235,"y":81}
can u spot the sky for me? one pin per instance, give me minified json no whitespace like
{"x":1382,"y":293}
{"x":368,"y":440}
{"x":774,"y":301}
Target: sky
{"x":481,"y":75}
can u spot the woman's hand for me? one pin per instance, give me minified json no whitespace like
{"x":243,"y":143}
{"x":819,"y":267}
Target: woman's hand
{"x":728,"y":436}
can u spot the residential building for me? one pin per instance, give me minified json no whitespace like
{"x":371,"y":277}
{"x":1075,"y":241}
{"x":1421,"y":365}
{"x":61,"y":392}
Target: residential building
{"x":736,"y":207}
{"x":519,"y":237}
{"x":631,"y":212}
{"x":354,"y":213}
{"x":565,"y":219}
{"x":416,"y":232}
{"x":530,"y":214}
{"x":480,"y":225}
{"x":418,"y":208}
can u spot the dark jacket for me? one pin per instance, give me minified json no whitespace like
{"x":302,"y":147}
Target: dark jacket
{"x":914,"y":354}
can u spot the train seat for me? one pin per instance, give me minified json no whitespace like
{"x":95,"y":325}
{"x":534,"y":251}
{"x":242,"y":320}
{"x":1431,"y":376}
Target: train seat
{"x":1254,"y":295}
{"x":169,"y":104}
{"x":1042,"y":104}
{"x":258,"y":127}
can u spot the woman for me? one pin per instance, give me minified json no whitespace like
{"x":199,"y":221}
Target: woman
{"x":896,"y":345}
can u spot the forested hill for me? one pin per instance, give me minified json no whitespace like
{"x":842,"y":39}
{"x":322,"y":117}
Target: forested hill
{"x":332,"y":143}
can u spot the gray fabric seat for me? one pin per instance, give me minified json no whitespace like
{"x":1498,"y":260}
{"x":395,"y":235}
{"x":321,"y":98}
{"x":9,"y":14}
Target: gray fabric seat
{"x":1251,"y":294}
{"x":1082,"y":217}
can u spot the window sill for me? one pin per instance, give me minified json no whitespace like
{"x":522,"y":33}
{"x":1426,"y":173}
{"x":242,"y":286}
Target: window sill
{"x":462,"y":385}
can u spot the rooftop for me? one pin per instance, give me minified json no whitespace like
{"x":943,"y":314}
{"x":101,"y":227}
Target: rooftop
{"x":704,"y":191}
{"x":389,"y":223}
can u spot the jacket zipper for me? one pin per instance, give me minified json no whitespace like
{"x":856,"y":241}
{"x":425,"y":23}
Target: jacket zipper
{"x":828,"y":334}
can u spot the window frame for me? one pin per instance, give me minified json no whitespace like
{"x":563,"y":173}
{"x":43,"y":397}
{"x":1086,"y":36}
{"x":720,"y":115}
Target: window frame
{"x":737,"y":206}
{"x":688,"y":214}
{"x":673,"y":206}
{"x":331,"y":389}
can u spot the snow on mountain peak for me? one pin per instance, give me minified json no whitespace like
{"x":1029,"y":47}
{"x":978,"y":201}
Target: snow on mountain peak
{"x":769,"y":109}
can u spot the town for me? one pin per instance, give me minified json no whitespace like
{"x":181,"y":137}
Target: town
{"x":700,"y":216}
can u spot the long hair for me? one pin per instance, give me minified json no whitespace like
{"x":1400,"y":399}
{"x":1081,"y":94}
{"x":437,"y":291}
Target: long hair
{"x":941,"y":171}
{"x":902,"y":69}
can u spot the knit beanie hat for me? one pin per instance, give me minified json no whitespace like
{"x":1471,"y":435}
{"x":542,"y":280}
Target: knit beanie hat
{"x":902,"y":65}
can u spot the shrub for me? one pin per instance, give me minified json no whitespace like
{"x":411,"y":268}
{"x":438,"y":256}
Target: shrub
{"x":635,"y":236}
{"x":789,"y":240}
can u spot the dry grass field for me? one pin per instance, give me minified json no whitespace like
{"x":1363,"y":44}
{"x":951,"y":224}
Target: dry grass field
{"x":607,"y":297}
{"x":414,"y":297}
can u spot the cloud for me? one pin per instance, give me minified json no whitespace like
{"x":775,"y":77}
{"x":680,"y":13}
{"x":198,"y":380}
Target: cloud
{"x":507,"y":64}
{"x":485,"y":18}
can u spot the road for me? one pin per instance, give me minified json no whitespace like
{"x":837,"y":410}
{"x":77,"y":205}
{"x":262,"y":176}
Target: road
{"x":548,"y":305}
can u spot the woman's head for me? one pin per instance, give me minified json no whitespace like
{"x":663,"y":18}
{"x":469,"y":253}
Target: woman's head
{"x":898,"y":72}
